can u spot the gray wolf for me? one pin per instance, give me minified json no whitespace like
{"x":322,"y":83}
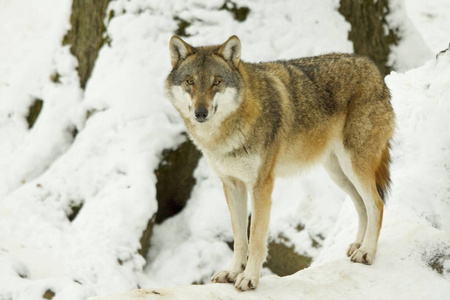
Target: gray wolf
{"x":256,"y":121}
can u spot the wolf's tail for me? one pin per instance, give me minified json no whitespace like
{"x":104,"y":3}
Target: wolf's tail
{"x":382,"y":175}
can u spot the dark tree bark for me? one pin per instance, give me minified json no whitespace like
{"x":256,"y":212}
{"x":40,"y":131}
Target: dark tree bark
{"x":175,"y":179}
{"x":86,"y":35}
{"x":283,"y":260}
{"x":370,"y":32}
{"x":33,"y":112}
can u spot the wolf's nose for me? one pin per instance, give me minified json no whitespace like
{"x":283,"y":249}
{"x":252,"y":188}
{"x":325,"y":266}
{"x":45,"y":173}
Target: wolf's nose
{"x":201,"y":114}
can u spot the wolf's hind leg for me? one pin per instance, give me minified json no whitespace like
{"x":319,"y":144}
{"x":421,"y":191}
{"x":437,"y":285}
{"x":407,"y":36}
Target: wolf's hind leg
{"x":338,"y":176}
{"x":374,"y":205}
{"x":362,"y":174}
{"x":236,"y":195}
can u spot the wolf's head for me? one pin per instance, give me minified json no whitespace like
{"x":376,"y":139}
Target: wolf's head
{"x":205,"y":81}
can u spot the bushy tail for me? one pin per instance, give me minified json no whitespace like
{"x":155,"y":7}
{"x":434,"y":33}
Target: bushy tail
{"x":382,"y":175}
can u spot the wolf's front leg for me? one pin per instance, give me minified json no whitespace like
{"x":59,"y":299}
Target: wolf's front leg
{"x":261,"y":204}
{"x":236,"y":195}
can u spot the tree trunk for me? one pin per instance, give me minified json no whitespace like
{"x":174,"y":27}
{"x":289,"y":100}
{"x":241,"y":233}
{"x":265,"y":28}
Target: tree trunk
{"x":370,"y":32}
{"x":86,"y":35}
{"x":175,"y":179}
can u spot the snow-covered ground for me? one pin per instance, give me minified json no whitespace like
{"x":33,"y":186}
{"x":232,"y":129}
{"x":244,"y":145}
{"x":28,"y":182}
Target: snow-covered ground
{"x":108,"y":166}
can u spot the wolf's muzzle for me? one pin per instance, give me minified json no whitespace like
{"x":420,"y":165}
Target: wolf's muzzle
{"x":201,"y":114}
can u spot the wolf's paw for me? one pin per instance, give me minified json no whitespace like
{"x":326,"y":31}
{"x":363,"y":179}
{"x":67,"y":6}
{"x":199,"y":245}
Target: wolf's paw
{"x":224,"y":276}
{"x":352,"y":248}
{"x":245,"y":283}
{"x":363,"y":256}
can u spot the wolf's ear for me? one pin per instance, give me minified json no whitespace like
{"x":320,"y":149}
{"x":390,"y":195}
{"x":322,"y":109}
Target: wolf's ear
{"x":231,"y":50}
{"x":179,"y":50}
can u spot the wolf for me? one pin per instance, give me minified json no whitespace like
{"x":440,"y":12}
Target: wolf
{"x":256,"y":121}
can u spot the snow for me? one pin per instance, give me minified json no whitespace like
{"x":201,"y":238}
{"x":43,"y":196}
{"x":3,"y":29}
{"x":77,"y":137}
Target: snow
{"x":430,"y":20}
{"x":410,"y":51}
{"x":108,"y":166}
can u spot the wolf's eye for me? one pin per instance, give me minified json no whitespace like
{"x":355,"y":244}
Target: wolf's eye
{"x":190,"y":81}
{"x":216,"y":82}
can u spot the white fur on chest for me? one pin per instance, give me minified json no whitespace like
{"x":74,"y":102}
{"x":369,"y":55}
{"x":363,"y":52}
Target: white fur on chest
{"x":244,"y":167}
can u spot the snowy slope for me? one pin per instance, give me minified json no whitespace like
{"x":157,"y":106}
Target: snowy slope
{"x":124,"y":121}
